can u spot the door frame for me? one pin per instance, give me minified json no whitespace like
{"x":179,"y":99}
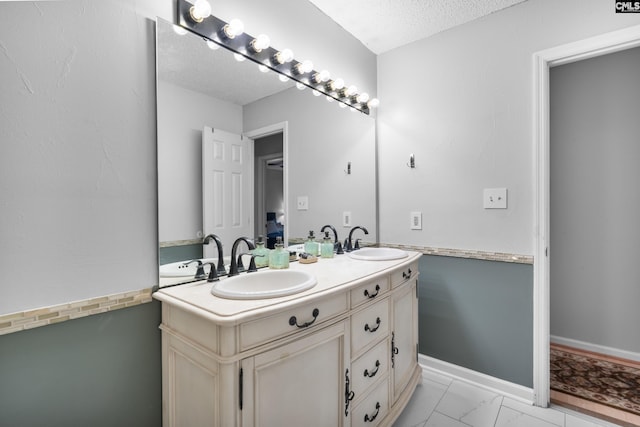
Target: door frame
{"x":281,"y":127}
{"x":542,"y":61}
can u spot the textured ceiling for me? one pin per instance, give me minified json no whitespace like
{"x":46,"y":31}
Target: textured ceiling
{"x":186,"y":61}
{"x":382,"y":25}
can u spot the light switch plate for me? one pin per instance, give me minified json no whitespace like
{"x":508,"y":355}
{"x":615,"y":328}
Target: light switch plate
{"x":495,"y":198}
{"x":346,"y":219}
{"x":303,"y":203}
{"x":416,"y":221}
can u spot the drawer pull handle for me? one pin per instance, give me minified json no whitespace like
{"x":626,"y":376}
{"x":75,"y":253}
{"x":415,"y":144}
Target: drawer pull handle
{"x":375,"y":328}
{"x":293,"y":321}
{"x":366,"y":292}
{"x":372,"y":373}
{"x":407,"y":274}
{"x":369,"y":419}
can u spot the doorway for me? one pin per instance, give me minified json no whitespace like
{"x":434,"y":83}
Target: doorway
{"x":543,"y":61}
{"x":271,"y":180}
{"x":269,"y":188}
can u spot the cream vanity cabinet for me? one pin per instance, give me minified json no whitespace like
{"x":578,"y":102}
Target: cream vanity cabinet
{"x":344,"y":355}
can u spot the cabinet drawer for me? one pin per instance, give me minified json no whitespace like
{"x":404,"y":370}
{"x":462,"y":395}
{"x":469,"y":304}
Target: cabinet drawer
{"x":369,"y":291}
{"x":297,"y":319}
{"x":369,"y":368}
{"x":373,"y":408}
{"x":403,"y":274}
{"x":369,"y":325}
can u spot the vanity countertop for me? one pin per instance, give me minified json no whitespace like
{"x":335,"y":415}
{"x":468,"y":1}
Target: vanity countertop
{"x":332,"y":274}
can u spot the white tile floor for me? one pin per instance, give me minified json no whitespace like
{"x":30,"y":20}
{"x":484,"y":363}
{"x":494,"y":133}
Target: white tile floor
{"x":444,"y":402}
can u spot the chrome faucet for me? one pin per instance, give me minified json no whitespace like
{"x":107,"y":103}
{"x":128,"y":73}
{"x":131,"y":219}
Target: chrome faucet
{"x":234,"y":270}
{"x":337,"y":246}
{"x":349,"y":241}
{"x":221,"y":270}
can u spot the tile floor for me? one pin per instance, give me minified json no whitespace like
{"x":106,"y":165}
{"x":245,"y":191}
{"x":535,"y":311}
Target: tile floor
{"x":444,"y":402}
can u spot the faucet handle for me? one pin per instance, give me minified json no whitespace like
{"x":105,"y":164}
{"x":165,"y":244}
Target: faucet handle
{"x":213,"y":273}
{"x":252,"y":262}
{"x":200,"y":271}
{"x":347,"y":245}
{"x":357,"y":245}
{"x":338,"y":248}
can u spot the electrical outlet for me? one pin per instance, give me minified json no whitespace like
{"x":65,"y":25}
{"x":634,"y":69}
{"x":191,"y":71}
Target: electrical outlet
{"x":416,"y":221}
{"x":495,"y":198}
{"x":303,"y":203}
{"x":346,"y":219}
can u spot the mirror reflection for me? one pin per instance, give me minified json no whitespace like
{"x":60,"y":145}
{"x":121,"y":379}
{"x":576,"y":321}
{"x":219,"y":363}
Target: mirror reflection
{"x":242,"y":153}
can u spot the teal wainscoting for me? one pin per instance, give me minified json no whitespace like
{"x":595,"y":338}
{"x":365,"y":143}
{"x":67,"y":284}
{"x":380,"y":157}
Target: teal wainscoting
{"x":101,"y":370}
{"x":478,"y":315}
{"x":179,"y":253}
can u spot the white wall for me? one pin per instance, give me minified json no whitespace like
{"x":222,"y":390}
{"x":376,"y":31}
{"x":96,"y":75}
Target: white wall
{"x":322,"y":139}
{"x":182,"y":114}
{"x":78,"y":190}
{"x":462,"y":102}
{"x":595,"y":202}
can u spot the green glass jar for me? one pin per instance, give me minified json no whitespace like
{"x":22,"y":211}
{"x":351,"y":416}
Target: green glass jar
{"x":261,"y":253}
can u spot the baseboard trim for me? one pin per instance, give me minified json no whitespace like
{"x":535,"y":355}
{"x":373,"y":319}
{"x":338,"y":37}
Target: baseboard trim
{"x":506,"y":388}
{"x":595,"y":348}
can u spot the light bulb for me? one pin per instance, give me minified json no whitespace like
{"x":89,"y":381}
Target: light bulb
{"x":263,"y":68}
{"x":373,"y":103}
{"x":353,"y":110}
{"x":342,"y":105}
{"x":179,"y":30}
{"x":261,"y":42}
{"x":351,"y":90}
{"x":200,"y":10}
{"x":283,"y":78}
{"x":363,"y":98}
{"x":300,"y":86}
{"x":322,"y":76}
{"x":337,"y":84}
{"x":239,"y":57}
{"x":304,"y":67}
{"x":330,"y":99}
{"x":285,"y":55}
{"x":316,"y":93}
{"x":212,"y":45}
{"x":233,"y":29}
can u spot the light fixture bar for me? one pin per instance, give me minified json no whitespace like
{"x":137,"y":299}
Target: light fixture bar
{"x":212,"y":28}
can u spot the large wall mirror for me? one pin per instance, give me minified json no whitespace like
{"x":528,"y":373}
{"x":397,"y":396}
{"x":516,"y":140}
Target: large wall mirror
{"x":298,"y":147}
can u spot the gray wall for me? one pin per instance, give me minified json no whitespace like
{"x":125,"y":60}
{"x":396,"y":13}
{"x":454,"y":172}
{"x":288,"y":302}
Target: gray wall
{"x":101,"y":370}
{"x":479,"y":315}
{"x":595,"y":201}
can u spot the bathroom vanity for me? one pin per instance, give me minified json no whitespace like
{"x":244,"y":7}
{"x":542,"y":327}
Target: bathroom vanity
{"x":343,"y":353}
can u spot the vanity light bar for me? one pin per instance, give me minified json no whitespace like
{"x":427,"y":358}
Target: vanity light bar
{"x":216,"y":30}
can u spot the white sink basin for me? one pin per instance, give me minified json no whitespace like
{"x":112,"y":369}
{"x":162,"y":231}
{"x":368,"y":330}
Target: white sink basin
{"x":378,"y":254}
{"x":264,"y":284}
{"x":178,"y":269}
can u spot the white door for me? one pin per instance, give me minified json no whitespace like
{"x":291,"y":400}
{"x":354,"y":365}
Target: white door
{"x":227,"y":187}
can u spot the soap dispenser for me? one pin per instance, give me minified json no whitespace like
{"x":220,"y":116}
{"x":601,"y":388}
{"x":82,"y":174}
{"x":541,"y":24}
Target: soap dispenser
{"x":261,"y":253}
{"x":326,"y":248}
{"x":311,"y":246}
{"x":279,"y":257}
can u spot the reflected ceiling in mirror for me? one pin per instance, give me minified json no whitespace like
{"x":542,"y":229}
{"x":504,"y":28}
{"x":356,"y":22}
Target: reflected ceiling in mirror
{"x":217,"y":74}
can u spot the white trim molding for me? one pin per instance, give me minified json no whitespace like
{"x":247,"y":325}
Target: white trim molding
{"x":496,"y":385}
{"x":542,"y":61}
{"x":596,"y":348}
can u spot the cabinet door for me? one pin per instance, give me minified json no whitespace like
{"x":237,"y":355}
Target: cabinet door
{"x":404,"y":336}
{"x":299,"y":384}
{"x":190,"y":385}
